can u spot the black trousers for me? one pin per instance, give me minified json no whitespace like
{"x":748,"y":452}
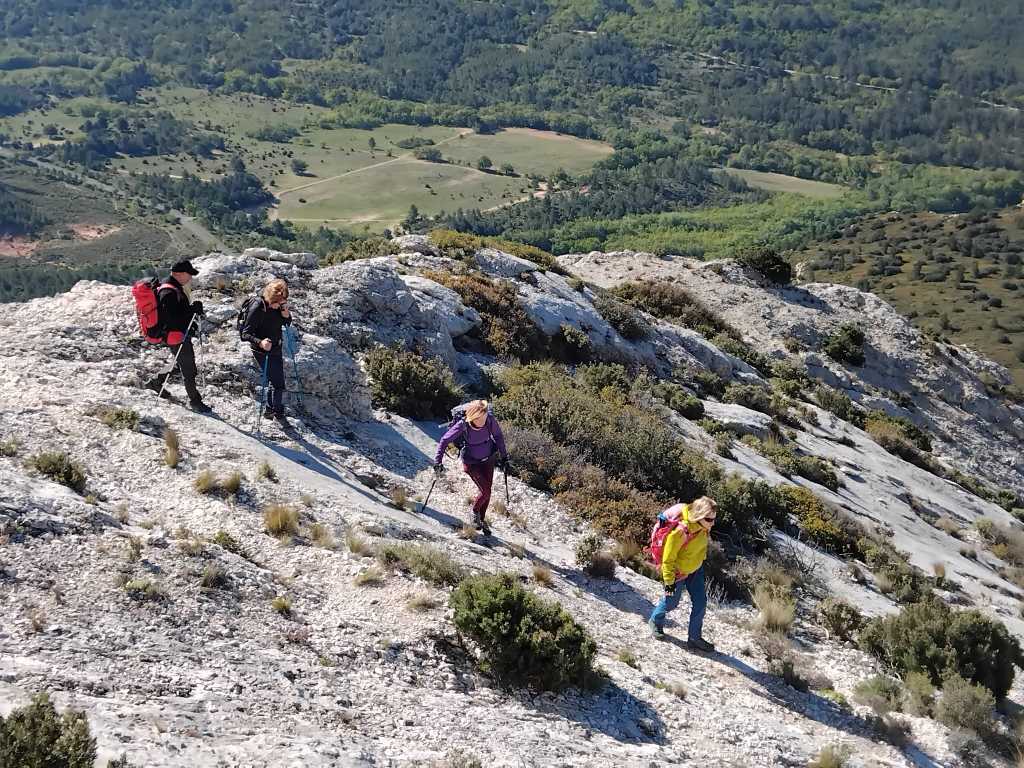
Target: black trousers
{"x":275,"y":377}
{"x":187,"y":365}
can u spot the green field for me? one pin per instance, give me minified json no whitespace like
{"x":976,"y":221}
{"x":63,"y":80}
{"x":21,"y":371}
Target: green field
{"x":778,"y":182}
{"x":529,"y":151}
{"x":381,"y":195}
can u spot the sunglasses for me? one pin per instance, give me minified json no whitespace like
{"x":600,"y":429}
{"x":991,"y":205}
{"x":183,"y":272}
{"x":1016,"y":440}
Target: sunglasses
{"x":708,"y":520}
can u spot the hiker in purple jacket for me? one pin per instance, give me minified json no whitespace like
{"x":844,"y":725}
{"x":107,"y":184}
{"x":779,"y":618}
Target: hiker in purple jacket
{"x":484,"y":447}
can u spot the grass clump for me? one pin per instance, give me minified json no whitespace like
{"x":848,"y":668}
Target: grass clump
{"x":118,"y":418}
{"x":280,"y":520}
{"x":409,"y":384}
{"x":172,"y":448}
{"x":422,"y":560}
{"x":839,"y":405}
{"x":357,"y":544}
{"x":214,"y":577}
{"x":321,"y":536}
{"x":522,"y":639}
{"x":883,"y":694}
{"x":207,"y":483}
{"x":144,"y":589}
{"x":9,"y":448}
{"x":894,"y":575}
{"x":674,"y":687}
{"x":593,"y":558}
{"x":266,"y":471}
{"x":228,"y":543}
{"x":931,"y":638}
{"x":281,"y":605}
{"x":840,"y":619}
{"x":60,"y":468}
{"x":422,"y":602}
{"x":627,"y":657}
{"x":1003,"y":542}
{"x":832,"y":756}
{"x":541,"y":575}
{"x":846,"y":345}
{"x":36,"y":736}
{"x":369,"y":577}
{"x":776,"y":611}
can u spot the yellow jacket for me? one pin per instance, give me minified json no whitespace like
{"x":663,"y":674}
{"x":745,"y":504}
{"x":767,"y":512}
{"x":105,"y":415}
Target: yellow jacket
{"x":677,"y":560}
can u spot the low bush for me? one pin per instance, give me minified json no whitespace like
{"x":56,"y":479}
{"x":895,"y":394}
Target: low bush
{"x":228,"y":543}
{"x":776,"y":611}
{"x":846,"y":345}
{"x":678,"y":399}
{"x":667,"y":301}
{"x":360,"y":248}
{"x":737,"y":348}
{"x":569,"y":345}
{"x":904,"y":429}
{"x":826,"y":527}
{"x":906,"y":583}
{"x":593,"y":557}
{"x":832,"y":756}
{"x":919,"y":694}
{"x":625,"y":319}
{"x":840,"y":619}
{"x":523,"y":640}
{"x":768,"y":263}
{"x":839,"y":404}
{"x":36,"y":736}
{"x":461,"y":245}
{"x":1004,"y":542}
{"x":60,"y":468}
{"x":789,"y":463}
{"x":409,"y":384}
{"x":614,"y":507}
{"x":883,"y":694}
{"x":708,"y":383}
{"x":539,"y":458}
{"x":931,"y":638}
{"x":750,"y":396}
{"x":9,"y":448}
{"x":965,"y":705}
{"x":422,"y":560}
{"x":118,"y":418}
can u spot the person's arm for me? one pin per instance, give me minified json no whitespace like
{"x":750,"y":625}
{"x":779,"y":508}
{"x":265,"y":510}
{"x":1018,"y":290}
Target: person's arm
{"x":251,"y":326}
{"x":673,"y":542}
{"x":499,"y":438}
{"x":453,"y":431}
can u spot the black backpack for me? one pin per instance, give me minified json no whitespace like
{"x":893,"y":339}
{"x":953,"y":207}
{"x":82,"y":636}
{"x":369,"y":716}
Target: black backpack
{"x":244,"y":310}
{"x":458,"y":414}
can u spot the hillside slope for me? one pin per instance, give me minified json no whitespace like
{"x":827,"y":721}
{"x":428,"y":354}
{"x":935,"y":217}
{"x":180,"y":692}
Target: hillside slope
{"x":203,"y":670}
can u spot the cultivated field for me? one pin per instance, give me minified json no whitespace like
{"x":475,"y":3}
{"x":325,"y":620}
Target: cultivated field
{"x":778,"y":182}
{"x":530,"y":151}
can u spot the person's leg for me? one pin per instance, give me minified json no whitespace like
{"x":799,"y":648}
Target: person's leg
{"x":275,"y":375}
{"x":699,"y":598}
{"x":665,"y":605}
{"x":485,"y":484}
{"x":262,"y":386}
{"x":187,"y":366}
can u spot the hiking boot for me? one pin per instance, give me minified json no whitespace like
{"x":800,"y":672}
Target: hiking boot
{"x":478,"y":522}
{"x":656,"y":632}
{"x":700,"y":644}
{"x":483,"y":526}
{"x":281,"y":419}
{"x":198,"y":406}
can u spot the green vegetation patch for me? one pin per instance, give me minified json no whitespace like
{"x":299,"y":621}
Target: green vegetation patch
{"x":410,"y":384}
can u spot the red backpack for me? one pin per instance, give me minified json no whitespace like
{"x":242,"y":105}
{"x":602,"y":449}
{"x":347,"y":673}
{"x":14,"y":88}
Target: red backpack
{"x":667,"y":522}
{"x":148,"y":309}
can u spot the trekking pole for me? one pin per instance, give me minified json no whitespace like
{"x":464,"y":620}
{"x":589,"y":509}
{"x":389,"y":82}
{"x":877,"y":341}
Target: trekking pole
{"x":430,"y":491}
{"x":261,"y":404}
{"x":505,"y":473}
{"x":290,"y":343}
{"x":202,"y":366}
{"x":174,"y":363}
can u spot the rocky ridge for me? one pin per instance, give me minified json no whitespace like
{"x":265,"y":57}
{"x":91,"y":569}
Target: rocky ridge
{"x":353,"y":676}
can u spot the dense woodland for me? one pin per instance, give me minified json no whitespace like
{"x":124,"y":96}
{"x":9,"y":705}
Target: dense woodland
{"x":17,"y":216}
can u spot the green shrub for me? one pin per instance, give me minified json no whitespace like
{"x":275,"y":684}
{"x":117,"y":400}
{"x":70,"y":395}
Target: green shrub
{"x":907,"y":584}
{"x":523,"y":640}
{"x":593,"y":558}
{"x":750,"y":396}
{"x":840,"y":619}
{"x":678,"y":399}
{"x":737,"y":348}
{"x":422,"y":560}
{"x":827,"y":528}
{"x":768,"y":262}
{"x":506,"y":329}
{"x":410,"y":385}
{"x":905,"y":429}
{"x":964,"y":705}
{"x":846,"y":345}
{"x":930,"y":637}
{"x":360,"y":248}
{"x":118,"y":418}
{"x":919,"y":694}
{"x":839,"y":404}
{"x":539,"y":458}
{"x":35,"y":736}
{"x":460,"y":245}
{"x":882,"y":694}
{"x":570,"y":345}
{"x":789,"y":463}
{"x":667,"y":301}
{"x":630,"y":324}
{"x":708,"y":383}
{"x":60,"y":468}
{"x":613,"y":506}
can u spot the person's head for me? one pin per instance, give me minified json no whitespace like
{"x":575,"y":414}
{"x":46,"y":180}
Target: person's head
{"x":183,"y":272}
{"x":476,"y":413}
{"x":704,"y":511}
{"x":276,"y":293}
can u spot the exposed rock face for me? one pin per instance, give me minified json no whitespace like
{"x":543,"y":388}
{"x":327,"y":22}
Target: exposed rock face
{"x":196,"y":675}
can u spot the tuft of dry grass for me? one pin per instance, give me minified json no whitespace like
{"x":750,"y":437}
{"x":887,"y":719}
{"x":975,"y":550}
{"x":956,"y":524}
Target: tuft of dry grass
{"x":321,"y":536}
{"x":832,"y":756}
{"x":358,"y":545}
{"x":172,"y":448}
{"x":134,"y":549}
{"x":308,"y":499}
{"x":518,"y":521}
{"x":467,"y":531}
{"x":777,"y":612}
{"x":422,"y":602}
{"x":281,"y":605}
{"x":369,"y":577}
{"x":266,"y":471}
{"x":231,"y":483}
{"x":121,"y":513}
{"x":674,"y":687}
{"x":884,"y":583}
{"x":205,"y":482}
{"x":214,"y":577}
{"x":948,"y":526}
{"x":280,"y":520}
{"x":499,"y":509}
{"x":627,"y":657}
{"x":36,"y":620}
{"x":542,"y":575}
{"x":939,"y":569}
{"x":399,"y":496}
{"x":517,"y":550}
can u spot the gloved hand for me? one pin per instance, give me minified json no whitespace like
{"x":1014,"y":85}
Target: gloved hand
{"x":670,"y":590}
{"x":197,"y":308}
{"x":439,"y":469}
{"x":503,"y":463}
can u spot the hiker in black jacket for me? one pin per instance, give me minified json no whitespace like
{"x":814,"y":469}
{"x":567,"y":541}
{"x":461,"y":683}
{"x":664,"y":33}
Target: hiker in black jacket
{"x":262,"y":326}
{"x":176,"y":313}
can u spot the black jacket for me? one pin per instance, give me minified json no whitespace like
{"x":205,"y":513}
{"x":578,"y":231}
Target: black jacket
{"x":263,"y":322}
{"x":174,"y":308}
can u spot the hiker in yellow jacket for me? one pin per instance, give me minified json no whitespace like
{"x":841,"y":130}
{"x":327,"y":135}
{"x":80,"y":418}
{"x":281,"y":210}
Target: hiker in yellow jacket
{"x":682,"y":565}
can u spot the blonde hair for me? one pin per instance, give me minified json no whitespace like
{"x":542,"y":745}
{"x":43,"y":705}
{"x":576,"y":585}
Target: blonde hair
{"x":275,"y":291}
{"x":702,"y":508}
{"x":475,"y":410}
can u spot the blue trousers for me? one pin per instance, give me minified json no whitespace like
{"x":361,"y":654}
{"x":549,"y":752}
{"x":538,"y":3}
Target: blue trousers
{"x":694,"y":584}
{"x":275,"y":376}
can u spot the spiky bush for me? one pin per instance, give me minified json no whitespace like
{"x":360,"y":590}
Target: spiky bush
{"x":60,"y":468}
{"x":623,"y":318}
{"x":840,"y":619}
{"x":35,"y":736}
{"x":423,"y":560}
{"x":523,"y":640}
{"x":409,"y":384}
{"x":768,"y":262}
{"x":846,"y":345}
{"x":594,"y":558}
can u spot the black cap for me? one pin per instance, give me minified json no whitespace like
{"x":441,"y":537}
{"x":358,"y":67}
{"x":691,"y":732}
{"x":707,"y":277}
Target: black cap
{"x":185,"y":266}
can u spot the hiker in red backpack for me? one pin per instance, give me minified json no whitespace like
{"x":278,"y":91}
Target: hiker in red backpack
{"x":177,"y":317}
{"x":679,"y":544}
{"x":483,"y":446}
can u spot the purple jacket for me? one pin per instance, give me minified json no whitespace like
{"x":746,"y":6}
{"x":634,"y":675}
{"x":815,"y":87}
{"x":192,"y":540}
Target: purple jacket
{"x":480,"y":443}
